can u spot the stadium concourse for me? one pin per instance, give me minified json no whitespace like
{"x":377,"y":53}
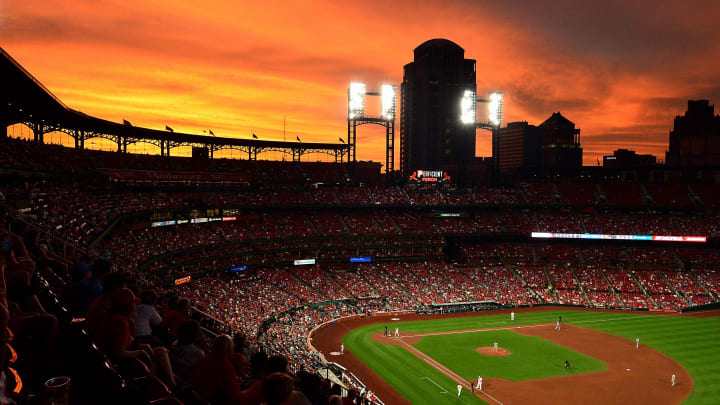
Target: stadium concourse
{"x":266,"y":251}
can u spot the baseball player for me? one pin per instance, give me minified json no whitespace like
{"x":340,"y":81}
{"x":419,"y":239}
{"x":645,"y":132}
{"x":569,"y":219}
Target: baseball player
{"x":342,"y":348}
{"x":512,"y":316}
{"x":472,"y":387}
{"x":385,"y":331}
{"x":567,"y":365}
{"x":672,"y":380}
{"x":459,"y":389}
{"x":559,"y":321}
{"x":479,"y":384}
{"x":495,"y":347}
{"x":637,"y":343}
{"x":397,"y":332}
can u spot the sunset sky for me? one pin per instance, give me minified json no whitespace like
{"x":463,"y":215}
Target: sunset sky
{"x":621,"y":72}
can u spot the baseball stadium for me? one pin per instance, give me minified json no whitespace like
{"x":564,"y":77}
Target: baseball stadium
{"x":170,"y":279}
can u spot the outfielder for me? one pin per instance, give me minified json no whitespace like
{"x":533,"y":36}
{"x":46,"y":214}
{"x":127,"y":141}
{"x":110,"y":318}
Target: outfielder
{"x":637,"y":343}
{"x":459,"y":389}
{"x":397,"y":332}
{"x":495,"y":347}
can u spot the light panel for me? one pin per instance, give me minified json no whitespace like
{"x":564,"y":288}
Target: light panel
{"x":356,"y":101}
{"x":388,"y":102}
{"x":495,"y":109}
{"x":467,"y":107}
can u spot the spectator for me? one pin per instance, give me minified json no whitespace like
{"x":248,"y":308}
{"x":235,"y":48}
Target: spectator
{"x":254,"y":395}
{"x":184,"y":354}
{"x":214,"y":376}
{"x":146,"y":316}
{"x":176,"y":316}
{"x":276,"y":388}
{"x":114,"y":336}
{"x":91,"y":288}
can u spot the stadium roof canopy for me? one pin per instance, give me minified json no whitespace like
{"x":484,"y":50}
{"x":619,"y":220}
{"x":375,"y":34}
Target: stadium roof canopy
{"x":23,"y":99}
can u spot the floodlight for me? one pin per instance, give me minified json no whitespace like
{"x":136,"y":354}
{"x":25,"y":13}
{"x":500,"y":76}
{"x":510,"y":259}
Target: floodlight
{"x":495,"y":110}
{"x":388,"y":102}
{"x":356,"y":100}
{"x":467,"y":107}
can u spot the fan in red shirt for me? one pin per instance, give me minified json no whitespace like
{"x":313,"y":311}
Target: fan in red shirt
{"x":214,"y":377}
{"x":177,"y":316}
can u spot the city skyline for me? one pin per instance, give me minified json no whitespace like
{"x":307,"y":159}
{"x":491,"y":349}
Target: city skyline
{"x":620,"y":73}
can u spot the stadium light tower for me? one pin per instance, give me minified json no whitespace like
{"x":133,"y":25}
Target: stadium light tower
{"x":357,"y":92}
{"x":468,"y":116}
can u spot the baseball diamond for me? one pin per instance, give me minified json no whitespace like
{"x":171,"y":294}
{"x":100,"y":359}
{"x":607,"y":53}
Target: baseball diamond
{"x":434,"y":353}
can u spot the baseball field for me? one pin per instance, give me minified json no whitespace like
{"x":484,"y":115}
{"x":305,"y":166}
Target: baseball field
{"x":435,"y":354}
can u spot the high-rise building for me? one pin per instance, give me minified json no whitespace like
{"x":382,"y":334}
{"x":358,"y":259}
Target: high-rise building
{"x":560,"y":147}
{"x":695,"y":138}
{"x":431,"y":133}
{"x":519,"y":148}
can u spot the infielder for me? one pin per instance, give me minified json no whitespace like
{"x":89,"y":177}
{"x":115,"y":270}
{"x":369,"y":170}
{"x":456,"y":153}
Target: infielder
{"x":495,"y":347}
{"x":559,"y":321}
{"x":512,"y":316}
{"x":342,"y":348}
{"x":397,"y":332}
{"x":637,"y":343}
{"x":672,"y":380}
{"x":459,"y":389}
{"x":479,"y":384}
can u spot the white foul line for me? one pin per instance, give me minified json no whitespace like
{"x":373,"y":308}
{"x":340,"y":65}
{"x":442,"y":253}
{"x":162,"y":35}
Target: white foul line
{"x":444,"y":391}
{"x":443,"y":369}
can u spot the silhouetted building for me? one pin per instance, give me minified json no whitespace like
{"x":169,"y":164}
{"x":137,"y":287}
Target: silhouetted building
{"x":431,"y":133}
{"x":623,"y":158}
{"x":519,"y":148}
{"x":695,"y":138}
{"x":560,"y":146}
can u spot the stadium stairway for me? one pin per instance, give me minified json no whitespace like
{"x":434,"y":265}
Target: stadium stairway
{"x":549,"y":283}
{"x":580,"y":286}
{"x":612,"y":289}
{"x":677,"y":293}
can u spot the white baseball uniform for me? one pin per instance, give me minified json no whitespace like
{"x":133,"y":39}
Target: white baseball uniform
{"x":512,"y":316}
{"x":637,"y":343}
{"x":459,"y":389}
{"x":397,"y":332}
{"x":495,"y":347}
{"x":342,"y":348}
{"x":672,"y":380}
{"x":479,"y":384}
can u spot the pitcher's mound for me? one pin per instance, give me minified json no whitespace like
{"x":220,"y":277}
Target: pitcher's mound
{"x":488,"y":351}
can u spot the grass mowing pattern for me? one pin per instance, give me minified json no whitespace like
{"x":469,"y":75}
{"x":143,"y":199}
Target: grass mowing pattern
{"x":457,"y":352}
{"x":691,"y":342}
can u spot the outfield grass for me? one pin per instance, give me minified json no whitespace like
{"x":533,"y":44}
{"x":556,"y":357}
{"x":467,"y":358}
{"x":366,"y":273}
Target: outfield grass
{"x":691,"y":342}
{"x":457,"y":352}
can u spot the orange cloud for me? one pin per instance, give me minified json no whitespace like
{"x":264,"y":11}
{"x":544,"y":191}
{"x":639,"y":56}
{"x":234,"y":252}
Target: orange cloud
{"x":620,"y":73}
